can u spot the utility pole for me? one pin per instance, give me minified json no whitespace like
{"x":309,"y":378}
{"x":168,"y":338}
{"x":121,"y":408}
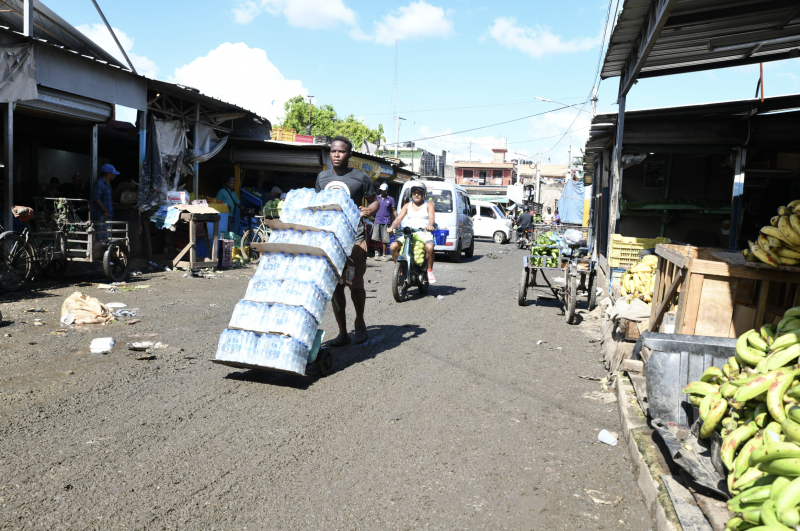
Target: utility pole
{"x":594,"y":101}
{"x":537,"y":190}
{"x":308,"y":129}
{"x":569,"y":158}
{"x":470,"y":150}
{"x":396,"y":118}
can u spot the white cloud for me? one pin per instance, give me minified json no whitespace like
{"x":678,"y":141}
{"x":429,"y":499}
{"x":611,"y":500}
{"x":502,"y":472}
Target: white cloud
{"x":417,"y":20}
{"x":100,"y":35}
{"x":537,"y":42}
{"x":308,"y":14}
{"x":241,"y":75}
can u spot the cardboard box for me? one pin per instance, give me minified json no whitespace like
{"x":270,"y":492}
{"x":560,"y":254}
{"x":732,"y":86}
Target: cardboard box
{"x":178,"y":198}
{"x":788,"y":161}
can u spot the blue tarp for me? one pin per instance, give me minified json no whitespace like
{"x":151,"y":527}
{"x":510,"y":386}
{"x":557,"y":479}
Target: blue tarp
{"x":570,"y":205}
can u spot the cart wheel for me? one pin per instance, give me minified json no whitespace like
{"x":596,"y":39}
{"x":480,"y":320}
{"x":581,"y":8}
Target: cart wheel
{"x":16,"y":261}
{"x":399,"y":282}
{"x":115,"y":262}
{"x":522,"y":297}
{"x":324,"y":362}
{"x":592,"y":291}
{"x":56,"y":269}
{"x":570,"y":298}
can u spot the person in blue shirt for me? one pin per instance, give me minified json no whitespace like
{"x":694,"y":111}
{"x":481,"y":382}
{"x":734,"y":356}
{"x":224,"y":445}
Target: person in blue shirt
{"x":103,"y":207}
{"x":229,"y":197}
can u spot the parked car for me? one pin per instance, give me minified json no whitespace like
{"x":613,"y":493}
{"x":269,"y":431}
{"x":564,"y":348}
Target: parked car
{"x":489,"y":222}
{"x":452,"y":208}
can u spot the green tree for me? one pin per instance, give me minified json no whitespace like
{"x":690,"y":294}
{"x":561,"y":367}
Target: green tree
{"x":325,"y":122}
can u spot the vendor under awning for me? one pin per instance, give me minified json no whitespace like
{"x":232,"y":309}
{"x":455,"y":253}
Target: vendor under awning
{"x":228,"y":196}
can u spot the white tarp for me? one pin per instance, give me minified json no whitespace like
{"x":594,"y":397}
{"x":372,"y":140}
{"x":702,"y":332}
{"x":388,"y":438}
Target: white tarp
{"x":207,"y":146}
{"x":17,"y":73}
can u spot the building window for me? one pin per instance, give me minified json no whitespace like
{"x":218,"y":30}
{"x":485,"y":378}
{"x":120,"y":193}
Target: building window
{"x":483,"y":174}
{"x":497,"y":173}
{"x":468,"y":174}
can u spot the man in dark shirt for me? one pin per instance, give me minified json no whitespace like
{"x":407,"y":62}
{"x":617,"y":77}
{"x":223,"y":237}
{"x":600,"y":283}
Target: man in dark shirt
{"x":524,"y":222}
{"x":360,"y":187}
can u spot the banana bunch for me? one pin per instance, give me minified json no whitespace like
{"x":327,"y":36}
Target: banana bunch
{"x":779,"y":242}
{"x":418,"y":249}
{"x":753,"y":401}
{"x":639,"y":280}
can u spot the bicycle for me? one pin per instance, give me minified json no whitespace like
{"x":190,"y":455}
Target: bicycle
{"x":252,"y":236}
{"x":23,"y":256}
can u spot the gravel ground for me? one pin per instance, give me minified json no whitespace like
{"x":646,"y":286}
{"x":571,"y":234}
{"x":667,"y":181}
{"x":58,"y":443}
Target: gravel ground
{"x":451,"y":416}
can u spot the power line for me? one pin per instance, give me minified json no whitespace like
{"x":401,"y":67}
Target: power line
{"x":462,"y":108}
{"x":490,"y":125}
{"x":511,"y":143}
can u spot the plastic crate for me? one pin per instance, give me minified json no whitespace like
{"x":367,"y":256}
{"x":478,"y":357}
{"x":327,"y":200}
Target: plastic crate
{"x":625,"y":250}
{"x":250,"y":198}
{"x":222,"y":208}
{"x":615,"y":278}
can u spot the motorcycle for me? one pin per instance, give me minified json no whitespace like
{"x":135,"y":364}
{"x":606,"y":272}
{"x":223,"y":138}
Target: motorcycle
{"x":524,"y":239}
{"x":406,"y":272}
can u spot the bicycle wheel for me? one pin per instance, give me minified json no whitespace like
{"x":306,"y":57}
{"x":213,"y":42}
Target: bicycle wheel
{"x":248,"y":239}
{"x":592,"y":291}
{"x":16,"y":262}
{"x":571,"y":297}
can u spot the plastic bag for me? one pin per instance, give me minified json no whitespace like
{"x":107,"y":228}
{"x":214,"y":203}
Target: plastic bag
{"x":574,"y":237}
{"x":85,"y":310}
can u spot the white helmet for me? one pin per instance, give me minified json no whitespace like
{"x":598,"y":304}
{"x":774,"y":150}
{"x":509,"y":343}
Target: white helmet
{"x":420,"y":185}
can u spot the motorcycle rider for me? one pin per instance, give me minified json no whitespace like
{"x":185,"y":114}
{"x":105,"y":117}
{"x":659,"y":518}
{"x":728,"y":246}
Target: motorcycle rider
{"x":524,"y":223}
{"x":420,"y":214}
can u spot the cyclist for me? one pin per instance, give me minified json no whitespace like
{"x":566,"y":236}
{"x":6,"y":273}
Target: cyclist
{"x":420,"y":214}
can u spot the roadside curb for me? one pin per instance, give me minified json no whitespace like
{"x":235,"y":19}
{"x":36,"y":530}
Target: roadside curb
{"x":645,"y":467}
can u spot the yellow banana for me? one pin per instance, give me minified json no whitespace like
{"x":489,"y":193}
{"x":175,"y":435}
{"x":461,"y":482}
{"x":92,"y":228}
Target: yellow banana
{"x":786,"y":340}
{"x":783,"y":252}
{"x":763,"y":255}
{"x":757,"y":342}
{"x":776,"y":233}
{"x":713,"y":417}
{"x":775,"y":395}
{"x":785,"y":226}
{"x":784,"y":211}
{"x":794,"y":222}
{"x":785,"y":261}
{"x":774,"y":243}
{"x":794,"y":204}
{"x":763,"y":242}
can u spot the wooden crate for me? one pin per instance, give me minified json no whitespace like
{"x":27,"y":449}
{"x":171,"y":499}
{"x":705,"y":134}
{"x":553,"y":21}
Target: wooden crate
{"x":718,"y":293}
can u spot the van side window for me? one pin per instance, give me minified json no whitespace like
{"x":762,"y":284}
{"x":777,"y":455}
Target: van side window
{"x":467,"y":209}
{"x":487,"y":212}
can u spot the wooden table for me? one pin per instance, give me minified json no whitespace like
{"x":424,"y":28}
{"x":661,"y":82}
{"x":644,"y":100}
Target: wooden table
{"x":704,"y":285}
{"x":191,"y":248}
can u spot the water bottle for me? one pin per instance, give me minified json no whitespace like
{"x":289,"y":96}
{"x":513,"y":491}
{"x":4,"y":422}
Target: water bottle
{"x":240,"y":316}
{"x":290,"y":215}
{"x":322,"y":199}
{"x":274,"y":266}
{"x":328,"y":243}
{"x":299,"y":198}
{"x":260,"y":317}
{"x":295,"y":293}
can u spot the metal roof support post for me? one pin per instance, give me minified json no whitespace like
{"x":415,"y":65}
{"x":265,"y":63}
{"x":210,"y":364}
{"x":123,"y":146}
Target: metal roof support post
{"x":142,"y":142}
{"x":196,"y":165}
{"x":93,"y":169}
{"x":736,"y":203}
{"x":616,"y":175}
{"x":27,"y":18}
{"x":8,"y":160}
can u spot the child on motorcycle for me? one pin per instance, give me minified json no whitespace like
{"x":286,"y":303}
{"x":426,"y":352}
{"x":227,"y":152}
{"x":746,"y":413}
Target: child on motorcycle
{"x":420,"y":215}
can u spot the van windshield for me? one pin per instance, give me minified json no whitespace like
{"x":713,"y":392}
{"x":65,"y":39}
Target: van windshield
{"x":442,"y":200}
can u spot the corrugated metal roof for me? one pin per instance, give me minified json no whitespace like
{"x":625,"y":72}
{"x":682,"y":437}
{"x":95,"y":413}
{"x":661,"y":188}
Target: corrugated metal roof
{"x":705,"y":34}
{"x":49,"y":27}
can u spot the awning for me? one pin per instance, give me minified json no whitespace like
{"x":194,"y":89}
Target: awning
{"x":63,"y":106}
{"x":307,"y":159}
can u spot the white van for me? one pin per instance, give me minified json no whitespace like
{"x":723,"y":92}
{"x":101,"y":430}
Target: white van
{"x":452,"y":213}
{"x":488,"y":221}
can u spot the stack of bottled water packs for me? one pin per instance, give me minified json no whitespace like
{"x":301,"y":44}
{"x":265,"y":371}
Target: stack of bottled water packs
{"x":274,"y":326}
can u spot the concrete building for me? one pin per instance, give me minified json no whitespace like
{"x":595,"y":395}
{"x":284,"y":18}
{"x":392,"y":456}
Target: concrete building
{"x":497,"y":173}
{"x":418,"y":160}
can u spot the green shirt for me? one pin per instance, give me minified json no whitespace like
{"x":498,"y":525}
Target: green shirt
{"x":230,"y":198}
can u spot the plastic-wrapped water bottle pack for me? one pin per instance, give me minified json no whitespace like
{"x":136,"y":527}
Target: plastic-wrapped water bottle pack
{"x":292,"y":321}
{"x":274,"y":266}
{"x":263,"y":290}
{"x":341,"y":198}
{"x":250,"y":315}
{"x":301,"y":216}
{"x":316,"y":270}
{"x":337,"y":223}
{"x":328,"y":243}
{"x":305,"y":294}
{"x":281,"y":352}
{"x":236,"y":345}
{"x":298,"y":199}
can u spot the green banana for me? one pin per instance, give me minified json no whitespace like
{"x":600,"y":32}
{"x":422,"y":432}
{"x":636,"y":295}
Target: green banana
{"x":734,"y":363}
{"x":746,"y":355}
{"x":714,"y":416}
{"x":753,"y":516}
{"x":768,"y":332}
{"x":789,"y":496}
{"x":727,"y":390}
{"x":794,"y":392}
{"x":777,"y":486}
{"x":705,"y":404}
{"x":788,"y":324}
{"x":790,"y":517}
{"x":775,"y":395}
{"x":695,"y":400}
{"x":700,"y":388}
{"x":753,"y":479}
{"x":761,"y":366}
{"x":778,"y":359}
{"x":793,"y":412}
{"x":769,"y":517}
{"x":732,"y":442}
{"x":756,"y":341}
{"x":783,"y":467}
{"x":742,"y":461}
{"x":759,"y":385}
{"x":792,"y":312}
{"x":791,"y":429}
{"x":771,"y":452}
{"x":711,"y":373}
{"x":786,"y":340}
{"x":755,"y":494}
{"x":735,"y":523}
{"x":726,"y":370}
{"x":761,"y":416}
{"x":741,"y":382}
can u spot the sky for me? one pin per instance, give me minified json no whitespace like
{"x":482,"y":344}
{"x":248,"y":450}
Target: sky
{"x":462,"y":65}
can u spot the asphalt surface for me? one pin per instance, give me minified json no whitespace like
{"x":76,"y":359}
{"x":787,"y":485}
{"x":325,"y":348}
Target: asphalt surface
{"x":450,"y":417}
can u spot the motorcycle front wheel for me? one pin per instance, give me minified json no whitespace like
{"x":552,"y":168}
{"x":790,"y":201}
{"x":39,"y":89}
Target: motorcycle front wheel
{"x":400,"y":281}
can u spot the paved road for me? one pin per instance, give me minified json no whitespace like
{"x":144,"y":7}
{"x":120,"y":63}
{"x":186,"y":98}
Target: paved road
{"x":449,"y":417}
